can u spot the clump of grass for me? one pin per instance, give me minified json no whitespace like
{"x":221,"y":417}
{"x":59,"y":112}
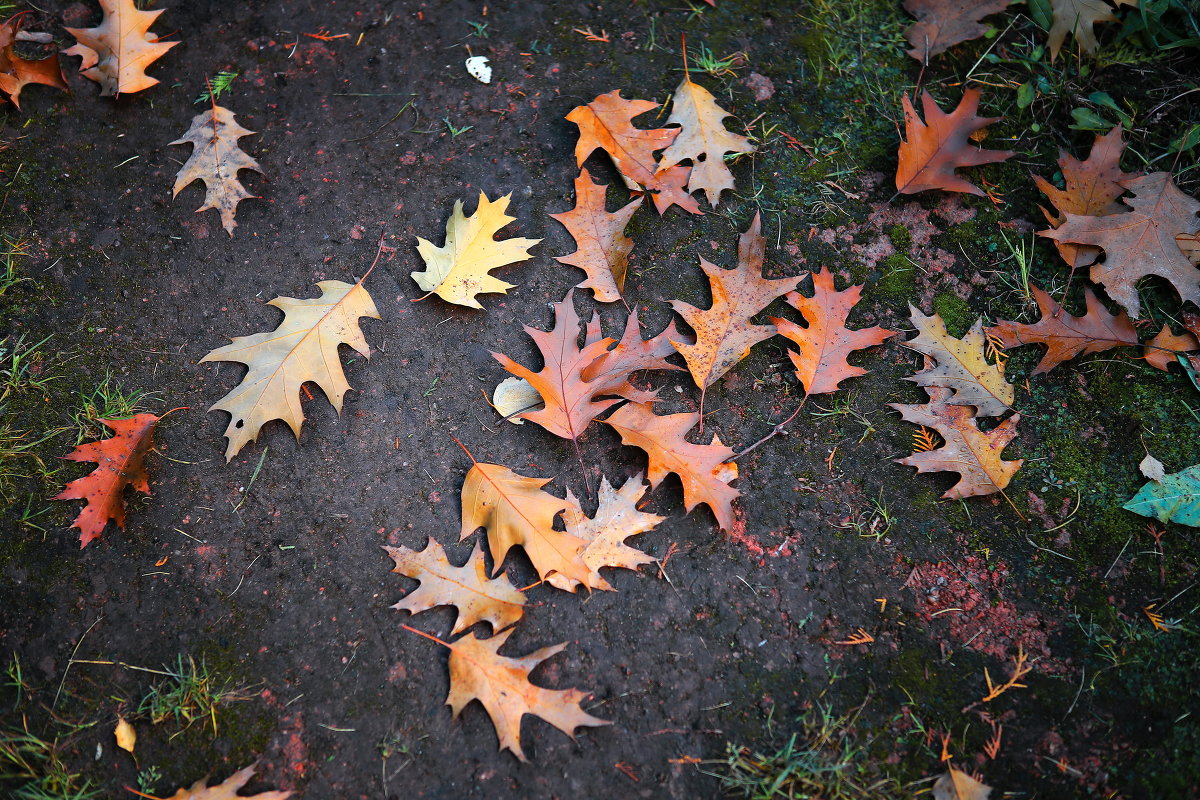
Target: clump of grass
{"x":706,"y":61}
{"x":187,"y":693}
{"x":107,"y":400}
{"x":34,"y":769}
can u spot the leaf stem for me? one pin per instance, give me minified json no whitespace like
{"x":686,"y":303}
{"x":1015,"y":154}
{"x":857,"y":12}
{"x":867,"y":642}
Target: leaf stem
{"x":778,"y":429}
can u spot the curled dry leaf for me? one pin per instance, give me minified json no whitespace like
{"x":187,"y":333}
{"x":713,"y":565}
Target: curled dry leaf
{"x":467,"y":588}
{"x":458,"y":271}
{"x":704,"y":469}
{"x":516,"y":511}
{"x":16,"y":73}
{"x":501,"y":684}
{"x":601,"y":246}
{"x":972,"y":453}
{"x":941,"y":24}
{"x":226,"y":790}
{"x":826,"y":343}
{"x":933,"y":149}
{"x":303,"y":348}
{"x":961,"y":366}
{"x":1092,"y":189}
{"x":1140,"y":242}
{"x":606,"y":123}
{"x":1152,"y":468}
{"x":216,"y":160}
{"x":1078,"y":17}
{"x":120,"y":461}
{"x":724,"y":333}
{"x":116,"y":52}
{"x":514,"y":395}
{"x":1066,"y":336}
{"x":703,"y":139}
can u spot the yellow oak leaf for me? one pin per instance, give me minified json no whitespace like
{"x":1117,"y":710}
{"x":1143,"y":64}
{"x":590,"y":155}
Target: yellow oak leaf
{"x":961,"y":366}
{"x":227,"y":789}
{"x":458,"y":271}
{"x":303,"y":348}
{"x":116,"y":52}
{"x":216,"y":159}
{"x":703,"y":139}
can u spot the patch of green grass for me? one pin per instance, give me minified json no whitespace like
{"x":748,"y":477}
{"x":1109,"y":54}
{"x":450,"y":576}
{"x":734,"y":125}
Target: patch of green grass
{"x":32,"y":768}
{"x":14,"y":249}
{"x":108,"y":399}
{"x":705,"y":60}
{"x":188,"y":693}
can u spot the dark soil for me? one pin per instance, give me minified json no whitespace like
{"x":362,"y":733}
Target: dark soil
{"x":280,"y":584}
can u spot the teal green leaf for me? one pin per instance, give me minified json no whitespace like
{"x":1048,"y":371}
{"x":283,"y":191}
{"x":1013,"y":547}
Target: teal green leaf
{"x":1176,"y":498}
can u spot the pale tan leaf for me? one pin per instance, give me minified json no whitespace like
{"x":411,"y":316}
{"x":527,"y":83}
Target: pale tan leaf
{"x":961,"y":366}
{"x":216,"y":160}
{"x":514,"y":395}
{"x":703,"y":139}
{"x":958,"y":785}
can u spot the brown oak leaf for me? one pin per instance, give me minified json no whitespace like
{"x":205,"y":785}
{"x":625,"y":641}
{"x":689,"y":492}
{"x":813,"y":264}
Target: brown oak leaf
{"x":120,"y":464}
{"x":16,"y":73}
{"x":227,"y":789}
{"x":467,"y":588}
{"x":724,"y":333}
{"x":961,"y":366}
{"x":501,"y":684}
{"x":704,"y":469}
{"x":933,"y":149}
{"x":825,"y":344}
{"x":941,"y":24}
{"x":1066,"y":336}
{"x":972,"y":453}
{"x":601,"y":246}
{"x":1140,"y":242}
{"x":1092,"y":189}
{"x":117,"y":51}
{"x":703,"y":139}
{"x":607,"y":123}
{"x":216,"y":159}
{"x":1077,"y":17}
{"x":1167,"y":347}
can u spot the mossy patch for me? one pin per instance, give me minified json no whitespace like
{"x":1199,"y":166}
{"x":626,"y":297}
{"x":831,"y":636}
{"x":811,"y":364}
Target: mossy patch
{"x":955,"y":312}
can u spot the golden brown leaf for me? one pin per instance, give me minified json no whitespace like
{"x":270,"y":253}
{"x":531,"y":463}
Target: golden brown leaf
{"x":16,"y":73}
{"x":941,"y":24}
{"x":961,"y":366}
{"x":1078,"y":17}
{"x":116,"y":52}
{"x":467,"y":588}
{"x":607,"y":123}
{"x":458,"y":271}
{"x":226,"y":790}
{"x":125,"y":734}
{"x":972,"y":453}
{"x":1167,"y":346}
{"x":216,"y":160}
{"x":120,"y":464}
{"x":825,"y":344}
{"x":516,"y":511}
{"x":501,"y":684}
{"x":958,"y":785}
{"x":1140,"y":242}
{"x":935,"y":148}
{"x":1066,"y":336}
{"x":303,"y":348}
{"x":1092,"y":189}
{"x":602,"y":248}
{"x":703,"y":139}
{"x":724,"y":334}
{"x":704,"y":469}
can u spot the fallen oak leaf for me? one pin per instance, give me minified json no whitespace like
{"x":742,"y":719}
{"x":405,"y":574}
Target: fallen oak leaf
{"x":1078,"y":17}
{"x":120,"y":461}
{"x":601,"y":246}
{"x":703,"y":139}
{"x":16,"y":73}
{"x":941,"y":24}
{"x":303,"y":348}
{"x":960,"y":365}
{"x":821,"y":365}
{"x":216,"y":159}
{"x":606,"y":123}
{"x":704,"y":469}
{"x":933,"y":149}
{"x":958,"y":785}
{"x":227,"y":789}
{"x":459,"y":270}
{"x":116,"y":52}
{"x":1168,"y":347}
{"x":468,"y":588}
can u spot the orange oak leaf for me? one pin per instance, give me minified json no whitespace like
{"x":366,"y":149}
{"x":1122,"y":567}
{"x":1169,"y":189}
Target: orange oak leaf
{"x":825,"y":344}
{"x":724,"y":334}
{"x":1092,"y":189}
{"x":16,"y":73}
{"x":1140,"y":242}
{"x":1077,"y":17}
{"x":941,"y":24}
{"x":958,"y":785}
{"x":704,"y":469}
{"x":703,"y":139}
{"x":613,"y":368}
{"x":974,"y":454}
{"x":602,"y":248}
{"x":516,"y":511}
{"x":116,"y":52}
{"x":961,"y":366}
{"x":1066,"y":336}
{"x":607,"y":123}
{"x":227,"y":789}
{"x":935,"y":148}
{"x":120,"y":460}
{"x":467,"y":588}
{"x":501,"y":684}
{"x":617,"y":518}
{"x":1167,"y":347}
{"x":216,"y":159}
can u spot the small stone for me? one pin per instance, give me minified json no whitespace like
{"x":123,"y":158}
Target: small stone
{"x":760,"y":85}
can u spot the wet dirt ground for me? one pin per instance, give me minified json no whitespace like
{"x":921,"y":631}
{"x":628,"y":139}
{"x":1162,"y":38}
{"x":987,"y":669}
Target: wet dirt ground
{"x":270,"y":568}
